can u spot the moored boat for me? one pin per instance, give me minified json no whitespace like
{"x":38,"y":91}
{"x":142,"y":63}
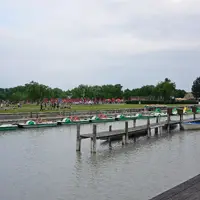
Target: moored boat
{"x":158,"y":113}
{"x":40,"y":124}
{"x":191,"y":126}
{"x":8,"y":127}
{"x":102,"y":119}
{"x":124,"y":118}
{"x":73,"y":121}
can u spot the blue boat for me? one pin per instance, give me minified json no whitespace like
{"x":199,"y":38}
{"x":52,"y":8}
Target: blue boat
{"x":191,"y":125}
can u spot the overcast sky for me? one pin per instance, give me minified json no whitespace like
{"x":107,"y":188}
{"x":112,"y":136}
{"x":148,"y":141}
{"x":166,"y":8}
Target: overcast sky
{"x":64,"y":43}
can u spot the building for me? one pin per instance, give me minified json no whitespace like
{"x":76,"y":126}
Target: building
{"x":189,"y":96}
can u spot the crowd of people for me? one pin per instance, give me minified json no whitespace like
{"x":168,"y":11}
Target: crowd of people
{"x":6,"y":105}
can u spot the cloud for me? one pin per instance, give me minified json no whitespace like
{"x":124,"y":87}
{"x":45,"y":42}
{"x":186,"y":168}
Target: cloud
{"x":65,"y":43}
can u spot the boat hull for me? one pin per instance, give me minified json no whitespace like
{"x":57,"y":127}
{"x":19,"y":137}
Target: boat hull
{"x":74,"y":122}
{"x":8,"y":128}
{"x":103,"y":120}
{"x":37,"y":125}
{"x":191,"y":126}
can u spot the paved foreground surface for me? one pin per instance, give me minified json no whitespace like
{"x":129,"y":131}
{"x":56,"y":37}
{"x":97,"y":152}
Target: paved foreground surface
{"x":189,"y":190}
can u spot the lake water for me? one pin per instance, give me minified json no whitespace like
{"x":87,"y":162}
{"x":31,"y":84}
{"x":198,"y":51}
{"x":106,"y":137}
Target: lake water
{"x":42,"y":164}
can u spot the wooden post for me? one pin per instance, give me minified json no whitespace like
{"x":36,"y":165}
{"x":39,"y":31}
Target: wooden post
{"x":123,"y":139}
{"x":148,"y":127}
{"x":91,"y":145}
{"x":78,"y":138}
{"x":31,"y":114}
{"x":126,"y":132}
{"x":134,"y":123}
{"x":110,"y":145}
{"x":110,"y":128}
{"x":194,"y":116}
{"x":94,"y":138}
{"x":168,"y":123}
{"x":194,"y":110}
{"x":181,"y":121}
{"x":157,"y":122}
{"x":160,"y":128}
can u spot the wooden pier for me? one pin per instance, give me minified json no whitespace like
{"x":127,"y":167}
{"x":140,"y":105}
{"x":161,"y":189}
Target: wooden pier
{"x":124,"y":134}
{"x":134,"y":131}
{"x":189,"y":190}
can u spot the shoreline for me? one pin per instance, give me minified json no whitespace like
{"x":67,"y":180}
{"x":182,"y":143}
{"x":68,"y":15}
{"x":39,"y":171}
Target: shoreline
{"x":58,"y":115}
{"x":53,"y":116}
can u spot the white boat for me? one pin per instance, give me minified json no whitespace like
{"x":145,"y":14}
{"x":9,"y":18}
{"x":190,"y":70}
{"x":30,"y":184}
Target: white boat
{"x":159,"y":114}
{"x":191,"y":126}
{"x":5,"y":127}
{"x":33,"y":124}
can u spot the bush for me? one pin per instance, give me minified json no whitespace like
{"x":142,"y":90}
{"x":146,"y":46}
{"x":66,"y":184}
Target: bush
{"x":162,"y":102}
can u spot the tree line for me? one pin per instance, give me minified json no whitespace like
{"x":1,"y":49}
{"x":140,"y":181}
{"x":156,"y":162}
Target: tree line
{"x":34,"y":91}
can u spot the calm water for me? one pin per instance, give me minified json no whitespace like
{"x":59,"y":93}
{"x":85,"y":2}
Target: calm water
{"x":42,"y":164}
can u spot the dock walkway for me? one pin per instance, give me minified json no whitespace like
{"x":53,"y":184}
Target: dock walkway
{"x":189,"y":190}
{"x":134,"y":130}
{"x":126,"y":133}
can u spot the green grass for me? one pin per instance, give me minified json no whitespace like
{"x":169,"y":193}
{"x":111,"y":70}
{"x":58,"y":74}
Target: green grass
{"x":35,"y":108}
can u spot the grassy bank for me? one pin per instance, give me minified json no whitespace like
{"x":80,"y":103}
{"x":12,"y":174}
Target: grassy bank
{"x":35,"y":108}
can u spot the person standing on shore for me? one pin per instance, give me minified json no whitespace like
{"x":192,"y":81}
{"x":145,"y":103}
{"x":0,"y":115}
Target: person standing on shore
{"x":41,"y":106}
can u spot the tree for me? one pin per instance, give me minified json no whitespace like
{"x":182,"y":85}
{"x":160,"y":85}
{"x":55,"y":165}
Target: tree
{"x":179,"y":93}
{"x":127,"y":94}
{"x":165,"y":89}
{"x":36,"y":92}
{"x":196,"y":88}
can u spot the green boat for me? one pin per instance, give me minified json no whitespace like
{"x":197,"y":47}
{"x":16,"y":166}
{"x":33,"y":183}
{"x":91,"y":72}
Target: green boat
{"x":33,"y":124}
{"x":124,"y":118}
{"x":102,"y":119}
{"x":68,"y":121}
{"x":158,"y":113}
{"x":8,"y":127}
{"x":174,"y":111}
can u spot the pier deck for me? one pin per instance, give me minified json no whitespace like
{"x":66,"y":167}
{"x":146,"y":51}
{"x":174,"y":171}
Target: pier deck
{"x":189,"y":190}
{"x":124,"y":134}
{"x":107,"y":134}
{"x":135,"y":130}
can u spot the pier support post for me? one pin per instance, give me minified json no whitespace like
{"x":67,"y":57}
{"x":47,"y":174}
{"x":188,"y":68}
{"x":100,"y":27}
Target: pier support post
{"x":110,"y":145}
{"x":194,"y":110}
{"x":168,"y":123}
{"x":157,"y":122}
{"x":148,"y":128}
{"x":78,"y":138}
{"x":91,"y":145}
{"x":134,"y":123}
{"x":126,"y":132}
{"x":110,"y":128}
{"x":160,"y":130}
{"x":194,"y":116}
{"x":123,"y":139}
{"x":94,"y":138}
{"x":181,"y":121}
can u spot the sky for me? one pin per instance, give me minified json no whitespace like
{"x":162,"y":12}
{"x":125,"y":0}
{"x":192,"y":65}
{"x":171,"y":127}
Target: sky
{"x":64,"y":43}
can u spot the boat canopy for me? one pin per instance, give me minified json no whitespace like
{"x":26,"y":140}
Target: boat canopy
{"x":174,"y":111}
{"x":120,"y":116}
{"x":66,"y":120}
{"x":30,"y":122}
{"x":138,"y":115}
{"x":158,"y":110}
{"x":95,"y":118}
